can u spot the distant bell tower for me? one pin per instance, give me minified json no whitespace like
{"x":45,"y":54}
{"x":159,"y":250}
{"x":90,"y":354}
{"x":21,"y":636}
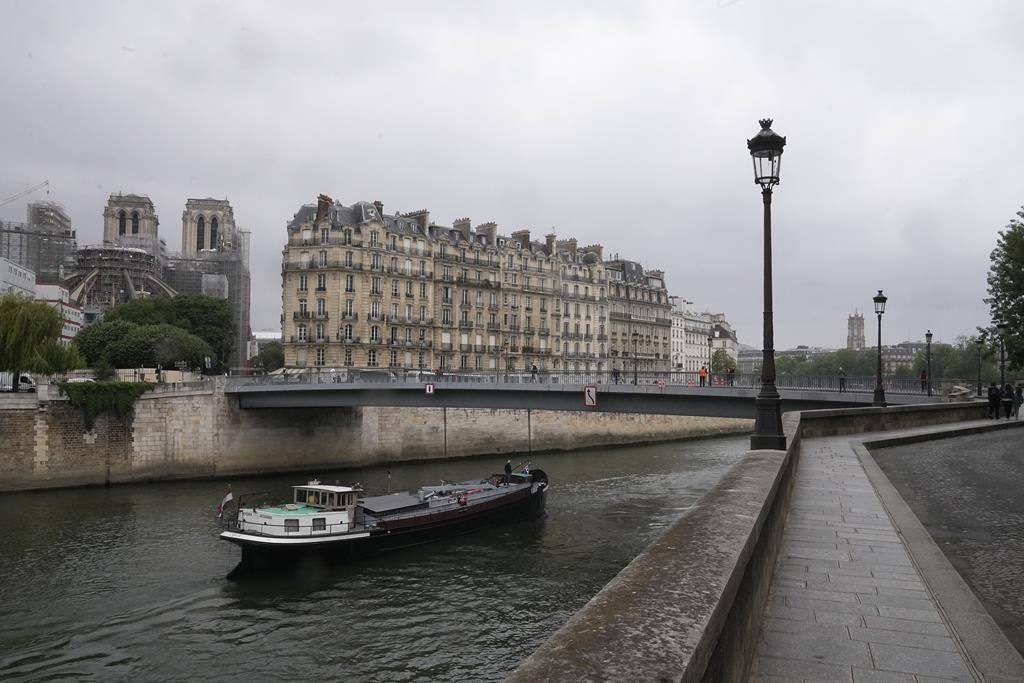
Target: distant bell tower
{"x":855,"y":332}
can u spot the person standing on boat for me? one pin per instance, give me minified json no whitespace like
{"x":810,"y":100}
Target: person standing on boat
{"x":526,"y":467}
{"x":508,"y":472}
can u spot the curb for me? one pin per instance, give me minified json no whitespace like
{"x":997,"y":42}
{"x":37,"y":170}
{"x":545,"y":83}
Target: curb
{"x":983,"y":642}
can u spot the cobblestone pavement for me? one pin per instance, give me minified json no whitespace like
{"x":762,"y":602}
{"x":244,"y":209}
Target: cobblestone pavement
{"x":847,"y":603}
{"x":968,"y":493}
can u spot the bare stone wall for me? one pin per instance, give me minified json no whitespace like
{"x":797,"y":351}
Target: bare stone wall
{"x":190,"y":433}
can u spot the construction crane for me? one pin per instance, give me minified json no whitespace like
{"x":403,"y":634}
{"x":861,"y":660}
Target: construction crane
{"x":7,"y":200}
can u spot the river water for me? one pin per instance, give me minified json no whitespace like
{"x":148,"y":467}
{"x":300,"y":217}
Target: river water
{"x":129,"y":583}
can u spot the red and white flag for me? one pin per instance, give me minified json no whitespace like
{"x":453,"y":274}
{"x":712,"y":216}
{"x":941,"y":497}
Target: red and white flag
{"x":227,"y":499}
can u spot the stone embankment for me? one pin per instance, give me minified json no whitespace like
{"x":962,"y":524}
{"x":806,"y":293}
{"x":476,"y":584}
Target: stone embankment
{"x":195,"y":431}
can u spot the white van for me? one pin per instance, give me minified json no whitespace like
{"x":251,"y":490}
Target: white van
{"x":25,"y":382}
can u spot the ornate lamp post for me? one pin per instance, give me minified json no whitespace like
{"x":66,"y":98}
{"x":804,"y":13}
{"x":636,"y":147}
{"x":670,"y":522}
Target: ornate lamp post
{"x":636,"y":340}
{"x":928,"y":346}
{"x":879,"y":300}
{"x":766,"y":151}
{"x":1001,"y":331}
{"x":980,"y":341}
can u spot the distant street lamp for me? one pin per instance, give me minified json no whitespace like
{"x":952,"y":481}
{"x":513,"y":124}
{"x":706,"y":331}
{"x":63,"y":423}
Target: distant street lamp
{"x":980,"y":341}
{"x":879,"y":300}
{"x":766,"y":152}
{"x":1001,"y":331}
{"x":636,"y":340}
{"x":928,"y":342}
{"x":711,"y":353}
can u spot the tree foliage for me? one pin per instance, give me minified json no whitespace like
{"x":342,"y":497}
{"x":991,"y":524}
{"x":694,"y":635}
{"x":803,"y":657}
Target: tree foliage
{"x":122,"y":344}
{"x":722,"y":361}
{"x":30,"y":338}
{"x":208,"y":318}
{"x":270,"y":357}
{"x":1006,"y":288}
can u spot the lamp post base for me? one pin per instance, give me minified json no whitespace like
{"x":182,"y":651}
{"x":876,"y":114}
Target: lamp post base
{"x":768,"y":434}
{"x":879,"y":399}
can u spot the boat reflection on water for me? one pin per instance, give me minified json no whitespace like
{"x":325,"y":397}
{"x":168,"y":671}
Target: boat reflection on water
{"x":337,"y":523}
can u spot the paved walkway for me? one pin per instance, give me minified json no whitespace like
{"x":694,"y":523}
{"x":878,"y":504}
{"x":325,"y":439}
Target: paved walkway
{"x":847,"y":602}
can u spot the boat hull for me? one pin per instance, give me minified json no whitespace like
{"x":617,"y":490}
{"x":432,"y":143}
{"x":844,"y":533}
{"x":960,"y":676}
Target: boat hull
{"x":261,"y":552}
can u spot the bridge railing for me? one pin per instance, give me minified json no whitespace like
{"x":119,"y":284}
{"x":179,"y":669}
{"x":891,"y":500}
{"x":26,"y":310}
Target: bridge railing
{"x":348,"y":375}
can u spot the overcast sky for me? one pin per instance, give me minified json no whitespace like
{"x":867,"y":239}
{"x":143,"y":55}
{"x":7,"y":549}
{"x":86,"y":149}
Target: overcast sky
{"x":622,"y":123}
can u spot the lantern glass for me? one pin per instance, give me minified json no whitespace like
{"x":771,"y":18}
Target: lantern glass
{"x":880,"y":300}
{"x":928,"y":336}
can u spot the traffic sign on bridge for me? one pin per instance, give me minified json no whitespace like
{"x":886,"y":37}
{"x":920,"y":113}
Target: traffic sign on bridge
{"x":590,"y":395}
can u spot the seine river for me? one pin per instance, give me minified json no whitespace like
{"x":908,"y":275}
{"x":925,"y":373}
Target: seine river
{"x":129,"y":583}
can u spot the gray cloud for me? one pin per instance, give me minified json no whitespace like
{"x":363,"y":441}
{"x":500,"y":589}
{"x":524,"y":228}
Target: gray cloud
{"x":619,"y":123}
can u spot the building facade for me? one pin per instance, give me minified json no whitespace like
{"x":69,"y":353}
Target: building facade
{"x":640,"y":317}
{"x":690,"y":333}
{"x":724,"y":337}
{"x":367,"y":289}
{"x":16,"y":279}
{"x":57,"y":297}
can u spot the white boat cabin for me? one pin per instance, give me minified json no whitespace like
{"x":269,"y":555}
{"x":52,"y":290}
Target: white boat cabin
{"x":316,"y":510}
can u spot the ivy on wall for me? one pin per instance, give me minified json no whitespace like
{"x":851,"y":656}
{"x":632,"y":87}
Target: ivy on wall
{"x":96,"y":398}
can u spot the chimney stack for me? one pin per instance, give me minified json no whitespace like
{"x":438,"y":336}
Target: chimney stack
{"x":463,"y":225}
{"x":523,"y":237}
{"x":550,"y":243}
{"x":379,"y":205}
{"x":323,"y":205}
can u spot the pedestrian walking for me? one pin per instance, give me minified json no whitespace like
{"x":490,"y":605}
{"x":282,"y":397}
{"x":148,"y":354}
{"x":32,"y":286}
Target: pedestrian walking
{"x":842,"y":379}
{"x":1006,"y":398}
{"x":533,"y":373}
{"x":994,"y":396}
{"x":730,"y":373}
{"x":1018,"y":399}
{"x":924,"y":381}
{"x":703,"y":373}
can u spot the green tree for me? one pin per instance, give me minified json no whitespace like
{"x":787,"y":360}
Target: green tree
{"x":94,"y":341}
{"x":1006,"y":288}
{"x":152,"y":345}
{"x":30,"y":338}
{"x":270,"y":357}
{"x":203,"y":316}
{"x":722,"y":361}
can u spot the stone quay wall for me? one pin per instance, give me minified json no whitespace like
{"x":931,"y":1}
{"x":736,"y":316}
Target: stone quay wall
{"x":688,"y":608}
{"x":183,"y":431}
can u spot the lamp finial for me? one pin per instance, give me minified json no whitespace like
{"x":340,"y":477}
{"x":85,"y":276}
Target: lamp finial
{"x":766,"y":124}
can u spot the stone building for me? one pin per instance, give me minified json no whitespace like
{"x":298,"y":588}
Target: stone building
{"x":723,"y":336}
{"x":367,"y":289}
{"x":640,"y":318}
{"x":214,"y":261}
{"x":855,"y":331}
{"x":56,"y":295}
{"x":16,"y":279}
{"x":690,"y":333}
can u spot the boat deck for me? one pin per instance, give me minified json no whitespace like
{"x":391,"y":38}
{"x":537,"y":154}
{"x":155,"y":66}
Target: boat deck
{"x":390,"y":502}
{"x":297,"y":509}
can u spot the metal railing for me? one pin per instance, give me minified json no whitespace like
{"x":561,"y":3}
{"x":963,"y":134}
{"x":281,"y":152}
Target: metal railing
{"x":675,"y":378}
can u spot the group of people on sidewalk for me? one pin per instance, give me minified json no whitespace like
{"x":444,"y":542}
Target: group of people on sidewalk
{"x":1006,"y":400}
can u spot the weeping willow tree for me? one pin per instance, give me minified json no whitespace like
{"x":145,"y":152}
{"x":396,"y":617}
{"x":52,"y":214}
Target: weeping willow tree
{"x":30,"y":339}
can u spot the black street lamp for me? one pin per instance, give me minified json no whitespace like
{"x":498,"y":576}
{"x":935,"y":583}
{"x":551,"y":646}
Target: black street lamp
{"x":711,"y":354}
{"x":879,"y":300}
{"x":1001,"y":331}
{"x":928,"y":343}
{"x":766,"y":152}
{"x":980,"y":341}
{"x":636,"y":340}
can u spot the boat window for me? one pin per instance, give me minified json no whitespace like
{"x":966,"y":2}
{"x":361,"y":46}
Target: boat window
{"x":291,"y":525}
{"x":319,"y":524}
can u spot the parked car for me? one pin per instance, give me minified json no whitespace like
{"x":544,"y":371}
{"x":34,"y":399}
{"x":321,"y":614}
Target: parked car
{"x":25,"y":382}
